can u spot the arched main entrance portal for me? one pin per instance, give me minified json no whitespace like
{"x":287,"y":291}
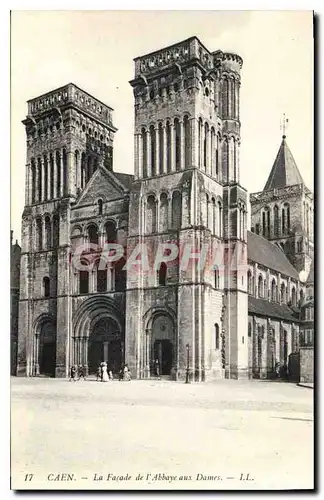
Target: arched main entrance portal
{"x":105,"y":345}
{"x":45,"y":347}
{"x":98,"y":335}
{"x":161,"y":343}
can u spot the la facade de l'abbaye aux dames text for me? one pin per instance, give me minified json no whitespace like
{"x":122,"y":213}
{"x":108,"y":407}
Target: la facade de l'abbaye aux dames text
{"x":160,"y":265}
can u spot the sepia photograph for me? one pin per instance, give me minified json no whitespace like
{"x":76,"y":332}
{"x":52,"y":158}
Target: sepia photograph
{"x":162,"y":250}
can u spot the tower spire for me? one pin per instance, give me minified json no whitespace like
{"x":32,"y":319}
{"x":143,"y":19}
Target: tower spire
{"x":284,"y":125}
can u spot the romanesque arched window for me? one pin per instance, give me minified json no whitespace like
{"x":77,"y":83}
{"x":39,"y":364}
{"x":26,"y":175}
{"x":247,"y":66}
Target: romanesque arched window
{"x":56,"y":231}
{"x":266,"y":222}
{"x":144,"y":149}
{"x":293,"y":297}
{"x":225,"y":98}
{"x":153,"y":150}
{"x":93,"y":234}
{"x":110,"y":232}
{"x":100,"y":206}
{"x":216,"y":336}
{"x":46,"y":287}
{"x":83,"y":171}
{"x":176,"y":210}
{"x":120,"y":276}
{"x":39,"y":234}
{"x":40,"y":180}
{"x":84,"y":280}
{"x":200,"y":139}
{"x":212,"y":154}
{"x":162,"y":274}
{"x":218,"y":142}
{"x":276,"y":223}
{"x":249,"y":281}
{"x":101,"y":270}
{"x":225,"y":158}
{"x":58,"y":173}
{"x":220,"y":219}
{"x":216,"y":277}
{"x":213,"y":222}
{"x":285,"y":218}
{"x":274,"y":290}
{"x":186,"y":131}
{"x":177,"y":144}
{"x":164,"y":212}
{"x":260,"y":287}
{"x":48,"y":232}
{"x":283,"y":293}
{"x":151,"y":215}
{"x":205,"y":151}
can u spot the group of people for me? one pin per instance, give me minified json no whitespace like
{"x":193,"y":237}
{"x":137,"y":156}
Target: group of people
{"x":77,"y":372}
{"x":103,"y":374}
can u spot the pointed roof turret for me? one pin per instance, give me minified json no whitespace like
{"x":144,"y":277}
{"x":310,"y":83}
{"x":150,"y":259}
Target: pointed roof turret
{"x":284,"y":171}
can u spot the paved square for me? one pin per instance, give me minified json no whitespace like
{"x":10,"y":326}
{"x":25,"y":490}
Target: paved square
{"x":221,"y":435}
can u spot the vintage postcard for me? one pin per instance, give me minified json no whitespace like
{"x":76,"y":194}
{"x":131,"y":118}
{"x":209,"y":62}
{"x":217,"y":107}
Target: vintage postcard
{"x":162,"y":245}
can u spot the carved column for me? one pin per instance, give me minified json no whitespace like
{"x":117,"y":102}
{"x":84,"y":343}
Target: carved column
{"x":165,"y":152}
{"x":28,"y":185}
{"x":62,"y":174}
{"x":193,"y":123}
{"x":170,"y":222}
{"x":42,"y":163}
{"x":136,"y":155}
{"x":148,"y":153}
{"x":78,"y":173}
{"x":37,"y":183}
{"x":212,"y":153}
{"x":182,"y":145}
{"x":157,"y":150}
{"x":71,"y":174}
{"x":173,"y":147}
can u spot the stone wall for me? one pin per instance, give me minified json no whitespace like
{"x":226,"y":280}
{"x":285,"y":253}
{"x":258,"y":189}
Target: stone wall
{"x":306,"y":364}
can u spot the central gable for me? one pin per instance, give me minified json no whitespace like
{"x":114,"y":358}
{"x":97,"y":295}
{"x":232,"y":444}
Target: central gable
{"x":104,"y":185}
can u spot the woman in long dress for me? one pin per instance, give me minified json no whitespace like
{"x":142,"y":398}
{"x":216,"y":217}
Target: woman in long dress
{"x":105,"y":377}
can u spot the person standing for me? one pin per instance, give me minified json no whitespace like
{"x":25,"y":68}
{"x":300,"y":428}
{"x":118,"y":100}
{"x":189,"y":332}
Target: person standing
{"x":81,"y":372}
{"x":127,"y":375}
{"x":73,"y":373}
{"x":157,"y":368}
{"x":105,"y":377}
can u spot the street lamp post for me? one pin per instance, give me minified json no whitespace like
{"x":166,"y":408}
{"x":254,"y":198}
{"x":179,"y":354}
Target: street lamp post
{"x":187,"y":369}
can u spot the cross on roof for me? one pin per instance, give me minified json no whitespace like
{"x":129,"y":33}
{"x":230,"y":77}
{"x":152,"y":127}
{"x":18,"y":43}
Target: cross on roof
{"x":284,"y":125}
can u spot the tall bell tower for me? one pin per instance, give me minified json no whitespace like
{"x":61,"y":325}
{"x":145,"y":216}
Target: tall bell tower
{"x":68,"y":132}
{"x":187,"y":193}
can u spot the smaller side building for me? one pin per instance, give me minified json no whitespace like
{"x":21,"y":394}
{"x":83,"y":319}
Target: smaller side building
{"x":15,"y":252}
{"x":307,"y":331}
{"x":275,"y":292}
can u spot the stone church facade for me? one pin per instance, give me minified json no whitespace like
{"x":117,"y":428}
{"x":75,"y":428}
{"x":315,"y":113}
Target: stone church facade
{"x":185,"y":195}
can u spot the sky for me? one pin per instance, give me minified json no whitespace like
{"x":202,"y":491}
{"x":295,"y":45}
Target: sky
{"x":95,"y":50}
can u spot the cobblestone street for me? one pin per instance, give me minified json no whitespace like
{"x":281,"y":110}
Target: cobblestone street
{"x":245,"y":434}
